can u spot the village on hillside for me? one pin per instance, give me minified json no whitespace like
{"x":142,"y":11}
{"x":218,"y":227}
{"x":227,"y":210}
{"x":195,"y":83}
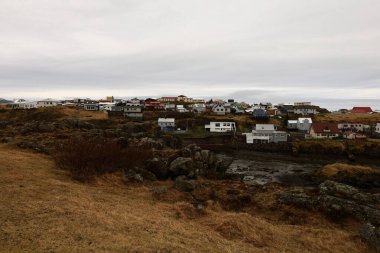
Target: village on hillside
{"x":273,"y":123}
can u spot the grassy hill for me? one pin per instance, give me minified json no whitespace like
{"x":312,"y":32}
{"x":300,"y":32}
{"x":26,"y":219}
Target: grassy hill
{"x":43,"y":210}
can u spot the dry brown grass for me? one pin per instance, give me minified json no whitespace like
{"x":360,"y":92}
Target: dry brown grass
{"x":331,"y":170}
{"x":350,"y":117}
{"x":43,"y":210}
{"x":84,"y":115}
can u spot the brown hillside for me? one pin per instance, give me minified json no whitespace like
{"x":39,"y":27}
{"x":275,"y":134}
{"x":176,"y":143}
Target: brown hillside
{"x":42,"y":210}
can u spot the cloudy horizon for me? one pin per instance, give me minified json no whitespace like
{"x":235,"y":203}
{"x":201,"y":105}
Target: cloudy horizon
{"x":282,"y":51}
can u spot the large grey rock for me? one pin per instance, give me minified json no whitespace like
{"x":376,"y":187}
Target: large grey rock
{"x":3,"y":124}
{"x":337,"y":200}
{"x":158,"y":167}
{"x":181,"y":166}
{"x":337,"y":189}
{"x":347,"y":192}
{"x":371,"y":235}
{"x":182,"y":183}
{"x":46,"y":127}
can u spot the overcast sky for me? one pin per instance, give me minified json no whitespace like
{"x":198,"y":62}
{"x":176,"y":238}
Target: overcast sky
{"x":277,"y":50}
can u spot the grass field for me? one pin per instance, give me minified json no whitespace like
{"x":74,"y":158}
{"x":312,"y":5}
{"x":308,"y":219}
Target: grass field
{"x":350,"y":117}
{"x":43,"y":210}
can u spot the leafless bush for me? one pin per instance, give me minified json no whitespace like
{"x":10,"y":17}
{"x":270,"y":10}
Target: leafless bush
{"x":88,"y":158}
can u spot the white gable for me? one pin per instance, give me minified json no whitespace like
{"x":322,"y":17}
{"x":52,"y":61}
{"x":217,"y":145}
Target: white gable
{"x":265,"y":127}
{"x":166,"y":120}
{"x":302,"y":120}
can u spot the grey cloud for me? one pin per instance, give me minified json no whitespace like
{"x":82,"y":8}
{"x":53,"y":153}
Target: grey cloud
{"x":275,"y":49}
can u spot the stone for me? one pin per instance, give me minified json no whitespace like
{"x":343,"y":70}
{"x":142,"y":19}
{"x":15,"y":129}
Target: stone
{"x":371,"y":236}
{"x":158,"y":167}
{"x":181,"y":166}
{"x":182,"y":183}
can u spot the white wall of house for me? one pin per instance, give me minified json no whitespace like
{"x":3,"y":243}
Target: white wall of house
{"x":219,"y":110}
{"x":378,"y":128}
{"x":352,"y":126}
{"x":304,"y":124}
{"x":221,"y":127}
{"x":324,"y":135}
{"x":305,"y":111}
{"x":47,"y":103}
{"x":266,"y":133}
{"x":166,"y":122}
{"x":291,"y":124}
{"x":132,"y":108}
{"x":91,"y":107}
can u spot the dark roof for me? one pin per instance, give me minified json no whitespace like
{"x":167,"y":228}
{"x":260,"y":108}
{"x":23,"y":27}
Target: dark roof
{"x":323,"y":127}
{"x":361,"y":110}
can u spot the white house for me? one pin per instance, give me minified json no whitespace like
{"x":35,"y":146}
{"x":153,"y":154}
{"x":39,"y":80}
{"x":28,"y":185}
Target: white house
{"x":304,"y":124}
{"x":106,"y":106}
{"x":221,"y":127}
{"x":166,"y":124}
{"x":170,"y":107}
{"x":181,"y":108}
{"x":219,"y":110}
{"x":47,"y":103}
{"x":199,"y":108}
{"x":134,"y":111}
{"x":377,"y":130}
{"x":324,"y":130}
{"x":23,"y":105}
{"x":91,"y":107}
{"x":291,"y":124}
{"x":305,"y":110}
{"x":357,"y":127}
{"x":266,"y":133}
{"x":183,"y":98}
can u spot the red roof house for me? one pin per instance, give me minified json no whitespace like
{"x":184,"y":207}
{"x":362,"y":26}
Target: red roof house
{"x":361,"y":110}
{"x":324,"y":130}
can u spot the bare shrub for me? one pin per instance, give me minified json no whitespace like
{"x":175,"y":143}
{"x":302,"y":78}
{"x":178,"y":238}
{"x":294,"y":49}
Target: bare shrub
{"x":88,"y":158}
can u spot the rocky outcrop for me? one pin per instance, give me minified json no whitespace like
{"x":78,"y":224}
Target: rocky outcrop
{"x":337,"y":200}
{"x":4,"y":124}
{"x":182,"y":166}
{"x":371,"y":235}
{"x":185,"y":184}
{"x":33,"y":146}
{"x":158,"y":167}
{"x":192,"y":161}
{"x":139,"y":175}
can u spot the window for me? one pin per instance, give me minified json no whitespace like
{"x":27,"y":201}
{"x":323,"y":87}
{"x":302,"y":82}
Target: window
{"x":217,"y":124}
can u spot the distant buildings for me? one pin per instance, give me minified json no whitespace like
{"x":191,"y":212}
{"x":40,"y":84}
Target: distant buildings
{"x":259,"y":113}
{"x":91,"y":107}
{"x":154,"y":106}
{"x":292,"y":124}
{"x":361,"y":110}
{"x":219,"y":110}
{"x":265,"y":133}
{"x":304,"y":110}
{"x":47,"y":103}
{"x":166,"y":124}
{"x":324,"y":130}
{"x":133,"y":111}
{"x":304,"y":124}
{"x":355,"y":127}
{"x":221,"y":127}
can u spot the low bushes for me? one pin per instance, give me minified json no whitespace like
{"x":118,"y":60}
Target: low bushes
{"x":320,"y":147}
{"x":88,"y":158}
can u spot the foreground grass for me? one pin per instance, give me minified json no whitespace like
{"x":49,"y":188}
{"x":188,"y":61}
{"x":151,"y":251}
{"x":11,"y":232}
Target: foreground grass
{"x":42,"y":210}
